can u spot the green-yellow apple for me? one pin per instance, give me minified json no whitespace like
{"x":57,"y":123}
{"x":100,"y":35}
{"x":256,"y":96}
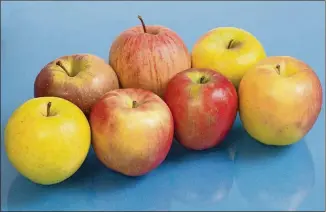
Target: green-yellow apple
{"x":47,"y":139}
{"x":132,"y":130}
{"x":204,"y":106}
{"x":228,"y":50}
{"x":79,"y":78}
{"x":148,"y":57}
{"x":279,"y":100}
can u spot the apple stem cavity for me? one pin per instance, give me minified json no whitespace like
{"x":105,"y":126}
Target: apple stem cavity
{"x":233,"y":44}
{"x":142,"y":23}
{"x":278,"y":69}
{"x":134,"y":104}
{"x":203,"y":80}
{"x":59,"y":63}
{"x":48,"y":107}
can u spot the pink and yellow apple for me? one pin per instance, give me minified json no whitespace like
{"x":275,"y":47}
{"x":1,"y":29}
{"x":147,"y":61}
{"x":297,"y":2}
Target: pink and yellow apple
{"x":279,"y":100}
{"x":80,"y":78}
{"x":148,"y":57}
{"x":230,"y":51}
{"x":204,"y":106}
{"x":132,"y":130}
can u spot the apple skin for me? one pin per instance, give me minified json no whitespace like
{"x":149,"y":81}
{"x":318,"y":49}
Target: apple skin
{"x":148,"y":60}
{"x":131,"y":140}
{"x":279,"y":108}
{"x":47,"y":149}
{"x":211,"y":51}
{"x":89,"y":78}
{"x":203,"y":113}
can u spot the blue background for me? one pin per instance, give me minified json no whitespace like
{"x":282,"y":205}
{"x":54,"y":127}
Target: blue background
{"x":239,"y":175}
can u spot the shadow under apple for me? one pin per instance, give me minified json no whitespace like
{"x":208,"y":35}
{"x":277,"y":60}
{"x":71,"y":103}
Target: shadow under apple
{"x":201,"y":178}
{"x":152,"y":192}
{"x":92,"y":187}
{"x":273,"y":178}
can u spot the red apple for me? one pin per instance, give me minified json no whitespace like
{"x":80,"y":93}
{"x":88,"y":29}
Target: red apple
{"x":80,"y":78}
{"x":204,"y":107}
{"x":132,"y":130}
{"x":148,"y":57}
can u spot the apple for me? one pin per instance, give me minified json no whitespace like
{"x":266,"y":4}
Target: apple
{"x":279,"y":100}
{"x":47,"y":139}
{"x":204,"y":105}
{"x":79,"y":78}
{"x":148,"y":57}
{"x":132,"y":130}
{"x":228,"y":50}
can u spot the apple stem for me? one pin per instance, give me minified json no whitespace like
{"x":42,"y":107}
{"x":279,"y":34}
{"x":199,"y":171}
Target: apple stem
{"x":202,"y":80}
{"x":59,"y":63}
{"x":142,"y":23}
{"x":278,"y":68}
{"x":48,"y":109}
{"x":134,"y":104}
{"x":230,"y":44}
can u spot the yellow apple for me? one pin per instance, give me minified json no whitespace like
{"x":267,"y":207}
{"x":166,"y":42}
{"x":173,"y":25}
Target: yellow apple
{"x":279,"y":100}
{"x":228,"y":50}
{"x":47,"y":139}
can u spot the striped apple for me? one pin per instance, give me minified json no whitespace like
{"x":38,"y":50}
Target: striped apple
{"x":148,"y":57}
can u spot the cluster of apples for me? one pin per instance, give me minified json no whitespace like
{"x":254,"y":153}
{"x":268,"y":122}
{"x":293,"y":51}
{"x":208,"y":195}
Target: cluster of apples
{"x":151,"y":90}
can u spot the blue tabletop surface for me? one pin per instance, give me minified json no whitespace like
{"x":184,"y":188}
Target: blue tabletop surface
{"x":239,"y":175}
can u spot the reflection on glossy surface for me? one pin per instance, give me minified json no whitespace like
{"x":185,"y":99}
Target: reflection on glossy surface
{"x":194,"y":178}
{"x":93,"y":187}
{"x":25,"y":194}
{"x":276,"y":178}
{"x":201,"y":178}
